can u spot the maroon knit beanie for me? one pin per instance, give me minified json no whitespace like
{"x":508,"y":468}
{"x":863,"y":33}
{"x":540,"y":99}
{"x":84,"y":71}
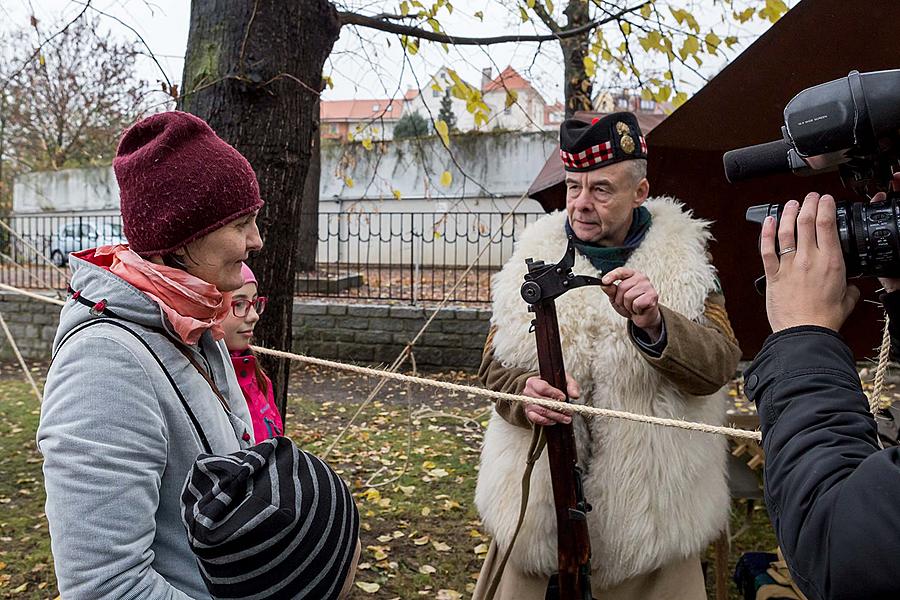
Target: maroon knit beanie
{"x":179,"y":181}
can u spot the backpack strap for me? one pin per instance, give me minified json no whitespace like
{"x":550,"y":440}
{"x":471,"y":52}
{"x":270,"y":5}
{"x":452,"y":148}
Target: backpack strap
{"x":193,"y":418}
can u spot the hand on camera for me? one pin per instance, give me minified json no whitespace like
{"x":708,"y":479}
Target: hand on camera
{"x":889,"y":284}
{"x":806,"y":280}
{"x":635,"y":298}
{"x":538,"y":388}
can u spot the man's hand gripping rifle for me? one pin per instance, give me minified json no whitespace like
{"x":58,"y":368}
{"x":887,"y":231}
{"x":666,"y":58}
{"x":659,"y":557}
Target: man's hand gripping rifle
{"x":543,"y":284}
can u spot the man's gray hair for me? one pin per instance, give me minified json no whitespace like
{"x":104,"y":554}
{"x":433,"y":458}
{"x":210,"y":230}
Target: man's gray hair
{"x":638,"y":168}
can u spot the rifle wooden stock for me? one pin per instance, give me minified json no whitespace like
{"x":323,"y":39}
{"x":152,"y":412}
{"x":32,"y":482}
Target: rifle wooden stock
{"x":574,"y":545}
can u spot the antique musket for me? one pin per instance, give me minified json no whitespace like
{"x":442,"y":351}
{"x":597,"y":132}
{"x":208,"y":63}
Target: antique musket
{"x":543,"y":284}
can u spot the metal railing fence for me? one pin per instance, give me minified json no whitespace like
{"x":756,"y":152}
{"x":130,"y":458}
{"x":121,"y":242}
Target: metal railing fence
{"x":393,"y":256}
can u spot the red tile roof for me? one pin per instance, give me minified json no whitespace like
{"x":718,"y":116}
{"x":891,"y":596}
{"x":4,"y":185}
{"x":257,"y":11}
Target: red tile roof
{"x":360,"y":110}
{"x":509,"y":79}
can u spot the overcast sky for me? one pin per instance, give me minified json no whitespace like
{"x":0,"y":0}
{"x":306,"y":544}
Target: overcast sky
{"x":365,"y":63}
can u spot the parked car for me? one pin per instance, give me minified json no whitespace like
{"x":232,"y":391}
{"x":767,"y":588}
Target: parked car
{"x":78,"y":236}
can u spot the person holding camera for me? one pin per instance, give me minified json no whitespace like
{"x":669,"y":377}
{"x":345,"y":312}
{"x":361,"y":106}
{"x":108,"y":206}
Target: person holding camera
{"x":830,"y":489}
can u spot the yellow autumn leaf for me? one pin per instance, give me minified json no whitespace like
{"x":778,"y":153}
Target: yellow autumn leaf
{"x":407,"y":489}
{"x":427,"y":570}
{"x":384,"y":538}
{"x":367,"y":143}
{"x":348,"y":181}
{"x":427,"y":465}
{"x":680,"y":98}
{"x":20,"y":589}
{"x":744,"y":15}
{"x":369,"y":588}
{"x":397,"y":196}
{"x":530,"y":3}
{"x":523,"y":14}
{"x":480,"y":16}
{"x":328,"y":81}
{"x":481,"y":549}
{"x":712,"y":42}
{"x":446,"y":178}
{"x":448,"y":595}
{"x":511,"y":97}
{"x":421,"y":541}
{"x":690,"y":47}
{"x":404,"y":8}
{"x":549,"y":6}
{"x":426,"y":511}
{"x":645,"y":11}
{"x":442,"y":130}
{"x":441,"y":546}
{"x":626,"y":27}
{"x":731,"y":40}
{"x":664,"y":93}
{"x":590,"y":67}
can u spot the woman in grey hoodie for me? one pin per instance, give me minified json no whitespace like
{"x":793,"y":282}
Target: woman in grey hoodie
{"x":140,"y":382}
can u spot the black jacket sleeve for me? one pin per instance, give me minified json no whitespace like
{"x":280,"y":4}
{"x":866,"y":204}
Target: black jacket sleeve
{"x":833,"y":495}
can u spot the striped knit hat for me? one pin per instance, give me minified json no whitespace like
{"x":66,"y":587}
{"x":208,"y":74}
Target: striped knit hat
{"x":271,"y":521}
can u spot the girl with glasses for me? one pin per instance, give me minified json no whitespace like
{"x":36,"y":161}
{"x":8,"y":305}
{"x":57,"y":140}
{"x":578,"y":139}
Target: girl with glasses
{"x":246,"y":307}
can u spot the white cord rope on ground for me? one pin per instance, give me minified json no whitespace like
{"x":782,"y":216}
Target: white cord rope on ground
{"x":588,"y":411}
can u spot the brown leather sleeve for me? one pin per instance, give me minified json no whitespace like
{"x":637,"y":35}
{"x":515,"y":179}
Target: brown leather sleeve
{"x":698,"y":358}
{"x":510,"y":380}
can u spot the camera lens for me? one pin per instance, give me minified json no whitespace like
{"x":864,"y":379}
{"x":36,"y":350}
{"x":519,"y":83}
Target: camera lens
{"x":869,"y":235}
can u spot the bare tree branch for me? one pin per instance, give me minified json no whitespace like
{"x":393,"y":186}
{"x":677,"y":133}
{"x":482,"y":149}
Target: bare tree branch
{"x":545,"y":17}
{"x":350,"y":18}
{"x":87,"y":5}
{"x":40,"y":47}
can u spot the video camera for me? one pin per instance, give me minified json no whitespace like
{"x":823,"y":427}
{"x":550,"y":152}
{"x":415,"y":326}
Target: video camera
{"x":852,"y":125}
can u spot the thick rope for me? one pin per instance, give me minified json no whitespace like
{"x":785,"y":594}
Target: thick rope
{"x":588,"y":411}
{"x":22,"y":292}
{"x":15,"y":348}
{"x":407,"y":350}
{"x":876,"y":403}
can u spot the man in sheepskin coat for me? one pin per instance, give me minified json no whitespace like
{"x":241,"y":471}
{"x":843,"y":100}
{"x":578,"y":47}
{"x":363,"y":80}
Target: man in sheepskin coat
{"x":654,"y":339}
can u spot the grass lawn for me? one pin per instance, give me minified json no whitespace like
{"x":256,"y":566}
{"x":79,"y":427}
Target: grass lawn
{"x":421,"y":535}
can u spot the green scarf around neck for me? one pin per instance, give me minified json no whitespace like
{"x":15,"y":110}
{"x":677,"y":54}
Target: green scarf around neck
{"x":606,"y":258}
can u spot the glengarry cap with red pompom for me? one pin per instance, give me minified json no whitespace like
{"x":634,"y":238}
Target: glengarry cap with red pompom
{"x":179,"y":181}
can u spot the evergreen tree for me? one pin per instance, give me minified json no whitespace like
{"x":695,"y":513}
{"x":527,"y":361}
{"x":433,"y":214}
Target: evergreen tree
{"x":446,"y":113}
{"x":411,"y":125}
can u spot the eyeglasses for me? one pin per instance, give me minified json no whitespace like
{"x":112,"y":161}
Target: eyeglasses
{"x":240,"y":308}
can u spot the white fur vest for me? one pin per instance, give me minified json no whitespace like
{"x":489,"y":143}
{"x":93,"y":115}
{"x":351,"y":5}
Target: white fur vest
{"x":658,"y":494}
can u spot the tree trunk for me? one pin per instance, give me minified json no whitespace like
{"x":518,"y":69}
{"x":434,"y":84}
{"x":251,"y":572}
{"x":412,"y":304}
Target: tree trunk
{"x":253,"y":71}
{"x":579,"y":87}
{"x":308,"y":232}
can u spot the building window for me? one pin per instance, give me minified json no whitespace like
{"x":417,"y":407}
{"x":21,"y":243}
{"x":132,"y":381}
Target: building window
{"x":648,"y":105}
{"x":376,"y":107}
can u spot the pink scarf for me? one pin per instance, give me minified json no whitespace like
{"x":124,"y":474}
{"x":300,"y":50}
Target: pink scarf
{"x":190,"y":304}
